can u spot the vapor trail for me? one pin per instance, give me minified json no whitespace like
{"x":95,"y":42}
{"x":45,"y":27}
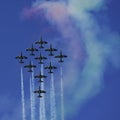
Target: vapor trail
{"x":22,"y":95}
{"x":62,"y":94}
{"x":33,"y":95}
{"x":31,"y":100}
{"x":52,"y":99}
{"x":43,"y":99}
{"x":40,"y":111}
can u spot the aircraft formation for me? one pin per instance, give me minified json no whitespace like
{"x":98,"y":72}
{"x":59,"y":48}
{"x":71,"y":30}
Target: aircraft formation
{"x":41,"y":59}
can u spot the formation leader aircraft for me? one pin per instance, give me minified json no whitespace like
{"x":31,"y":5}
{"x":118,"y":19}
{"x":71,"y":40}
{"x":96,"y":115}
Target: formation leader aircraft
{"x":40,"y":58}
{"x":21,"y":57}
{"x":32,"y":50}
{"x":51,"y":50}
{"x":41,"y":43}
{"x":50,"y":67}
{"x":40,"y":76}
{"x":39,"y":91}
{"x":30,"y":66}
{"x":61,"y":56}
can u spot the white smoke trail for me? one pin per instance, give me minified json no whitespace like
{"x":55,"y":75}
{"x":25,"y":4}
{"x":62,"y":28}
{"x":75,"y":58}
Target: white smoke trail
{"x":33,"y":95}
{"x":31,"y":100}
{"x":40,"y":110}
{"x":52,"y":99}
{"x":62,"y":95}
{"x":22,"y":95}
{"x":43,"y":99}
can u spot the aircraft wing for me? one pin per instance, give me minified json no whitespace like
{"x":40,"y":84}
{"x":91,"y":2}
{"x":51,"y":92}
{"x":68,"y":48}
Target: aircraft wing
{"x":47,"y":67}
{"x":44,"y":76}
{"x":18,"y":57}
{"x":36,"y":91}
{"x":37,"y":42}
{"x":27,"y":66}
{"x":35,"y":49}
{"x":24,"y":57}
{"x":37,"y":58}
{"x":45,"y":42}
{"x":54,"y":67}
{"x":47,"y":49}
{"x":44,"y":58}
{"x":57,"y":56}
{"x":54,"y":49}
{"x":33,"y":66}
{"x":64,"y":55}
{"x":28,"y":49}
{"x":42,"y":91}
{"x":36,"y":76}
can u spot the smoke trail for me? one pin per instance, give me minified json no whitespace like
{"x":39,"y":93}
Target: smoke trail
{"x":22,"y":95}
{"x":62,"y":95}
{"x":40,"y":110}
{"x":33,"y":95}
{"x":52,"y":99}
{"x":79,"y":27}
{"x":43,"y":99}
{"x":31,"y":100}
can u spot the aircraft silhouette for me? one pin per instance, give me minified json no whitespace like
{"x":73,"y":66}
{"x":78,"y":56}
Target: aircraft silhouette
{"x":21,"y":57}
{"x":51,"y":50}
{"x":50,"y":67}
{"x":30,"y":66}
{"x":32,"y":50}
{"x":61,"y":56}
{"x":41,"y":42}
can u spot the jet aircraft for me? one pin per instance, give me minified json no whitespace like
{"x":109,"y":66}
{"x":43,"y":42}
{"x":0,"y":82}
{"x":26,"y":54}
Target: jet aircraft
{"x":30,"y":66}
{"x":51,"y":50}
{"x":41,"y":43}
{"x":39,"y":91}
{"x":40,"y":58}
{"x":50,"y":67}
{"x":32,"y":50}
{"x":40,"y":76}
{"x":61,"y":56}
{"x":21,"y":57}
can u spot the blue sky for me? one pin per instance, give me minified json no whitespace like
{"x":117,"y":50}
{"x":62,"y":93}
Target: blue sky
{"x":18,"y":33}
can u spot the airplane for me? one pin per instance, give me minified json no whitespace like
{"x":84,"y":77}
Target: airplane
{"x":61,"y":56}
{"x":51,"y":50}
{"x":32,"y":49}
{"x":30,"y":66}
{"x":39,"y":91}
{"x":50,"y":67}
{"x":41,"y":58}
{"x":40,"y":76}
{"x":21,"y":57}
{"x":41,"y":42}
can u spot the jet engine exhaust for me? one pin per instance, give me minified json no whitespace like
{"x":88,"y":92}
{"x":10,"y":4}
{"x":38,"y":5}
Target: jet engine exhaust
{"x":22,"y":96}
{"x":32,"y":97}
{"x":52,"y":99}
{"x":42,"y":100}
{"x":62,"y":94}
{"x":31,"y":100}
